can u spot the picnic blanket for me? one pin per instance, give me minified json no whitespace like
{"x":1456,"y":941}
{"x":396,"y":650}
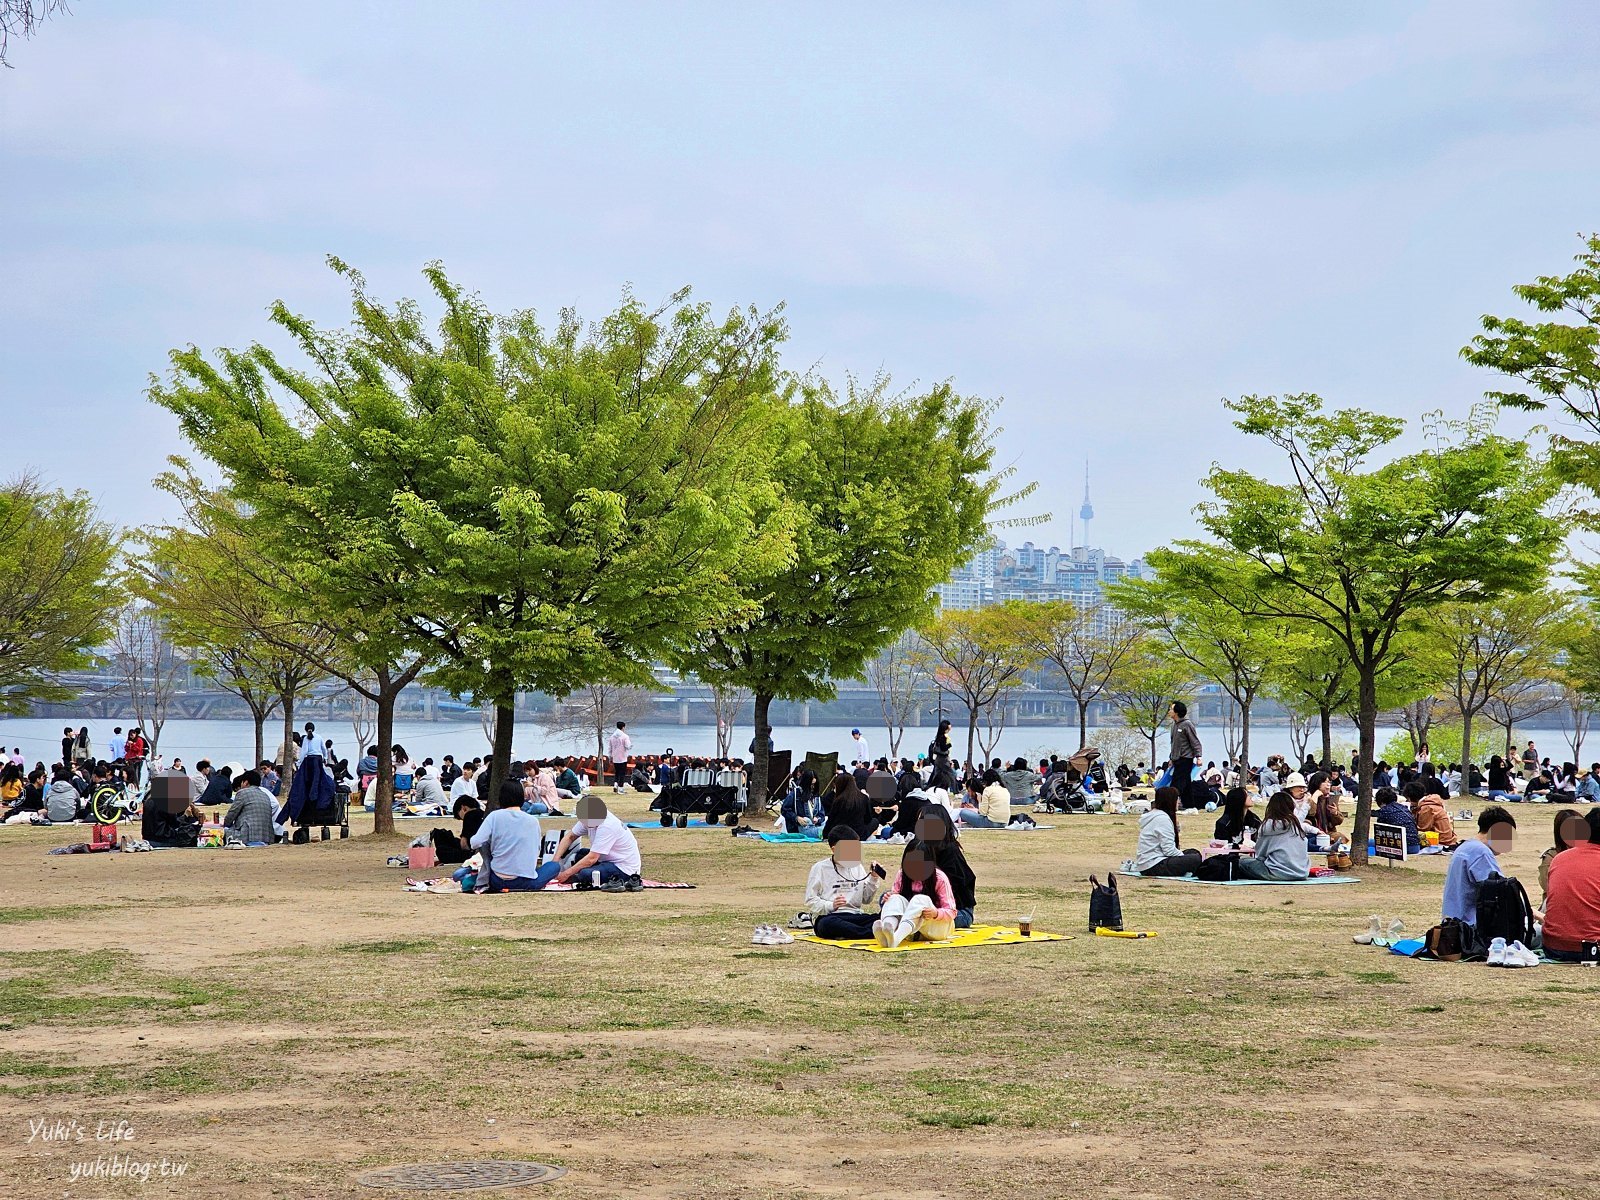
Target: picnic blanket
{"x":978,"y":935}
{"x":1240,"y":882}
{"x":445,"y":885}
{"x":1002,"y":828}
{"x":690,"y":825}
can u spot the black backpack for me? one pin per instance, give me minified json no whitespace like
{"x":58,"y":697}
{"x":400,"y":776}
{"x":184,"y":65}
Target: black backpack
{"x":1105,"y":904}
{"x":1503,"y":912}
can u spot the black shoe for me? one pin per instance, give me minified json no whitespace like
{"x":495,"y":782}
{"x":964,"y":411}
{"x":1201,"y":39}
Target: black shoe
{"x":633,"y":884}
{"x":615,"y":885}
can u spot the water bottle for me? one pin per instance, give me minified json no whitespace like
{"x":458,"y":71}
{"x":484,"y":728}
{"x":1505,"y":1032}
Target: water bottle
{"x":596,"y":877}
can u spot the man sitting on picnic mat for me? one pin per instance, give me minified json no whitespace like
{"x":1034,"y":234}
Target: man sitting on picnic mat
{"x":613,"y":851}
{"x":840,"y":887}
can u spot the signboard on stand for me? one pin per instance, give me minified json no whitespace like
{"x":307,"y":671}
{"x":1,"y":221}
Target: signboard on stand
{"x":1389,"y":841}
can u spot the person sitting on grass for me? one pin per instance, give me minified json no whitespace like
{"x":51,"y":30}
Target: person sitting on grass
{"x":1572,"y":896}
{"x":1157,"y":852}
{"x":450,"y":847}
{"x":1561,"y":843}
{"x":613,"y":852}
{"x":848,"y":808}
{"x":1432,"y":816}
{"x":839,"y":889}
{"x":1474,"y":862}
{"x":509,"y":840}
{"x":1281,"y":855}
{"x":568,"y":785}
{"x":919,"y":903}
{"x":1394,"y":811}
{"x":249,"y":816}
{"x":937,"y":833}
{"x":971,"y":810}
{"x":1237,"y":820}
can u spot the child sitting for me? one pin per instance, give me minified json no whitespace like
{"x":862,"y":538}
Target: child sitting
{"x":840,"y":888}
{"x":920,"y":902}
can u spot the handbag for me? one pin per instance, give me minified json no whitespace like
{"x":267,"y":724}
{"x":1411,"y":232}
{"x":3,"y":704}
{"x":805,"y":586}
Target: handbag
{"x":1105,"y":904}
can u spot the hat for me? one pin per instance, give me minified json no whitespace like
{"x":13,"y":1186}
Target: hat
{"x":1295,"y":780}
{"x":233,"y":769}
{"x":853,"y":732}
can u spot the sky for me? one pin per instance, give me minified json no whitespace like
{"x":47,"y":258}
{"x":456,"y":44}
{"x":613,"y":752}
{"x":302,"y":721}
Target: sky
{"x":1106,"y":216}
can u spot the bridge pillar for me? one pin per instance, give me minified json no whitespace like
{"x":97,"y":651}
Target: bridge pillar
{"x":683,"y":712}
{"x":1014,"y":715}
{"x":916,"y":719}
{"x":805,"y":713}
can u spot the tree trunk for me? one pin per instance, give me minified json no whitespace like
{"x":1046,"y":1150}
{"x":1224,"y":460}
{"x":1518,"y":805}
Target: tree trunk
{"x":1367,"y":719}
{"x":1083,"y":722}
{"x":290,"y":762}
{"x":383,"y":798}
{"x":260,"y":718}
{"x":972,"y":733}
{"x":1152,"y":738}
{"x":1241,"y":762}
{"x":505,"y":726}
{"x":759,"y":759}
{"x":1326,"y":715}
{"x":1466,"y":754}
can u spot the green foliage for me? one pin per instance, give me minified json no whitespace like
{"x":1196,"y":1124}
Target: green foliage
{"x":1357,"y":553}
{"x":1558,"y":360}
{"x":522,"y":507}
{"x":56,"y":590}
{"x":1444,"y":746}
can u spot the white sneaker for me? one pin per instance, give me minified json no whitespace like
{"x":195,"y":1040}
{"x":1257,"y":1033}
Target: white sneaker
{"x":1524,"y":956}
{"x":1374,"y":928}
{"x":1497,"y":953}
{"x":780,"y":937}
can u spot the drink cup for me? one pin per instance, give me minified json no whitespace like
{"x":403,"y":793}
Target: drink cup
{"x":596,"y":877}
{"x":1025,"y":927}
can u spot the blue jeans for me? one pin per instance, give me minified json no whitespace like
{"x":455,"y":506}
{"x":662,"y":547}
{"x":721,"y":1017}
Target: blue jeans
{"x":535,"y":808}
{"x":498,"y":883}
{"x":963,"y":918}
{"x":608,"y":872}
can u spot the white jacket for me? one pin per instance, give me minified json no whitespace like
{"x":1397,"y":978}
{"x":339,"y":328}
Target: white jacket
{"x":854,"y":881}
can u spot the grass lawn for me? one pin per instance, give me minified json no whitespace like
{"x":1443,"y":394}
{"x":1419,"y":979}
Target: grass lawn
{"x":278,"y":1021}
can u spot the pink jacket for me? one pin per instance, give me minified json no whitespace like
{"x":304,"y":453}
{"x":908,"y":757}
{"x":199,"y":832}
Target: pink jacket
{"x":944,"y":900}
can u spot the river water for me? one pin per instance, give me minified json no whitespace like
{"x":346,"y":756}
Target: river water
{"x":225,"y":740}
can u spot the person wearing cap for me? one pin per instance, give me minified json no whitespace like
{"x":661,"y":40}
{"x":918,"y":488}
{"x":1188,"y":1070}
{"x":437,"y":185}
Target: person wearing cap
{"x":863,"y":752}
{"x":1295,"y":784}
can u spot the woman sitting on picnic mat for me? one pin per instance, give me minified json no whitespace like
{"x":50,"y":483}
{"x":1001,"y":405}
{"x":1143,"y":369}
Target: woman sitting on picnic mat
{"x":847,"y":807}
{"x":839,"y":889}
{"x":1572,"y":898}
{"x":919,"y":903}
{"x":1281,"y":855}
{"x":1157,"y":852}
{"x":937,"y":834}
{"x":1236,"y":819}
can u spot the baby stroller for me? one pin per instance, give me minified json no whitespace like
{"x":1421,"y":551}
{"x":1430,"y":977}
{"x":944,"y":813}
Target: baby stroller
{"x":1089,"y":764}
{"x":1063,"y":792}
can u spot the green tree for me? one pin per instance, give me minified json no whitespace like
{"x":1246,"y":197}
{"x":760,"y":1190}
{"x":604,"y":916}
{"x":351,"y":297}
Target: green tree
{"x":886,"y":494}
{"x":1209,"y":631}
{"x":504,"y":506}
{"x":57,"y":599}
{"x":981,"y":655}
{"x":1090,"y":644}
{"x":1313,"y":679}
{"x":1361,"y":552}
{"x":1558,"y":361}
{"x":1145,"y":688}
{"x":1493,"y":649}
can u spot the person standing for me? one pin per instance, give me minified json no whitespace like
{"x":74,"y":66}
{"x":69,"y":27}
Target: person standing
{"x":1530,"y":762}
{"x":68,"y":740}
{"x":119,"y":744}
{"x":617,"y":749}
{"x":1183,"y":750}
{"x":134,"y":751}
{"x":863,"y":752}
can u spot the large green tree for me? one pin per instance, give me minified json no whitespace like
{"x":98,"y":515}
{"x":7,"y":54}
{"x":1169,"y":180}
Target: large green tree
{"x":888,"y":493}
{"x":523,"y":507}
{"x":57,"y":597}
{"x":1362,"y":552}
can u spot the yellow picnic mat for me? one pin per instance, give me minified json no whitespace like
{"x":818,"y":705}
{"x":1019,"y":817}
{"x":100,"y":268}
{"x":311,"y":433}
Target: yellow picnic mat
{"x":978,"y":935}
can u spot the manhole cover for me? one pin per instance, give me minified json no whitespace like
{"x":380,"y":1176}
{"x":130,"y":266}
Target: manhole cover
{"x":461,"y":1176}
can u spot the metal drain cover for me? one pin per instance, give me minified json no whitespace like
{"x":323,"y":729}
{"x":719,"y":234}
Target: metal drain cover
{"x":461,"y":1176}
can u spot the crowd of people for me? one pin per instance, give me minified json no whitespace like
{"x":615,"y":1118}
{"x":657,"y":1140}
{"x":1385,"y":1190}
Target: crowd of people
{"x":1269,"y":821}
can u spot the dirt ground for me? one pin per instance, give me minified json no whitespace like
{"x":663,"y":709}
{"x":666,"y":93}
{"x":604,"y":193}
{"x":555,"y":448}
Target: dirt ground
{"x":275,"y":1022}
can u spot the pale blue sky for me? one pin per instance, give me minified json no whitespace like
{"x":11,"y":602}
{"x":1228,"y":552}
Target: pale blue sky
{"x":1110,"y":215}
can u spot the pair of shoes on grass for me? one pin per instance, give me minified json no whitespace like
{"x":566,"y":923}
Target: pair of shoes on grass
{"x":1377,"y":934}
{"x":771,"y":935}
{"x":1513,"y":955}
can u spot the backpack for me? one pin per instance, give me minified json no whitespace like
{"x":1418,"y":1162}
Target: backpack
{"x":1503,"y":912}
{"x":1105,"y":904}
{"x":1448,"y":941}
